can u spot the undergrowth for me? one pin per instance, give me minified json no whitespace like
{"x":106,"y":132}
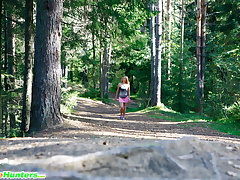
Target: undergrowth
{"x":226,"y":125}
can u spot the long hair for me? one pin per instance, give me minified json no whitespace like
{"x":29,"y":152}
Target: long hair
{"x":126,"y":79}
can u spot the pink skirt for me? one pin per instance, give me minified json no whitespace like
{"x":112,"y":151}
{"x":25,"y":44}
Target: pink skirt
{"x":124,"y":100}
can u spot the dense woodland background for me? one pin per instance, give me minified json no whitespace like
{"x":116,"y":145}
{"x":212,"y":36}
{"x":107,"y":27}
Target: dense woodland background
{"x":183,"y":54}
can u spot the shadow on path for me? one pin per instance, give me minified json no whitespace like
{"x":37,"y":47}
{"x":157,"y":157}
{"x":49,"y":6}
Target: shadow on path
{"x":93,"y":118}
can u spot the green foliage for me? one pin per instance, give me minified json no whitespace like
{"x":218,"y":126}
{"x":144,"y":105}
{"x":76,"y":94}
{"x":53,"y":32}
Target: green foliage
{"x":233,"y":112}
{"x":108,"y":100}
{"x":222,"y":61}
{"x":133,"y":59}
{"x":14,"y":132}
{"x":68,"y":99}
{"x":171,"y":115}
{"x":91,"y":93}
{"x":223,"y":65}
{"x":225,"y":125}
{"x":143,"y":94}
{"x":136,"y":109}
{"x":116,"y":79}
{"x":125,"y":25}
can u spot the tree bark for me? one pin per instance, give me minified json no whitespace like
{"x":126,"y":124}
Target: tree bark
{"x":11,"y":63}
{"x":153,"y":54}
{"x":11,"y":49}
{"x":108,"y":64}
{"x":163,"y":28}
{"x":101,"y":69}
{"x":29,"y":53}
{"x":169,"y":10}
{"x":6,"y":119}
{"x":106,"y":69}
{"x":180,"y":93}
{"x":203,"y":42}
{"x":1,"y":105}
{"x":94,"y":59}
{"x":5,"y":112}
{"x":198,"y":51}
{"x":158,"y":54}
{"x":46,"y":95}
{"x":85,"y":79}
{"x":66,"y":73}
{"x":94,"y":32}
{"x":201,"y":29}
{"x":71,"y":72}
{"x":5,"y":48}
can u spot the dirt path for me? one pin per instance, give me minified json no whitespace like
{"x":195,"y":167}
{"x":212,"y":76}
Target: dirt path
{"x":93,"y":118}
{"x":96,"y":127}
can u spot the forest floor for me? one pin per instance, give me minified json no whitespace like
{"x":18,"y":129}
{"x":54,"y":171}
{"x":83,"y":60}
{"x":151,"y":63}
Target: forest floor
{"x":93,"y":133}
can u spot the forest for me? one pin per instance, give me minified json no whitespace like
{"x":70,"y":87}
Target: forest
{"x":183,"y":55}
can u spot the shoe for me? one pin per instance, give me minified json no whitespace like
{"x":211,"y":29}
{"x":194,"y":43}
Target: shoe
{"x":121,"y":117}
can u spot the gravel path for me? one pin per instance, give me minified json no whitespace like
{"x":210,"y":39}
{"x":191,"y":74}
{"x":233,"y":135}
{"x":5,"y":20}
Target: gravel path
{"x":94,"y":118}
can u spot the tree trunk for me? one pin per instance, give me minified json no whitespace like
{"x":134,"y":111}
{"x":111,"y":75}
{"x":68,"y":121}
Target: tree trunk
{"x":94,"y":32}
{"x":203,"y":34}
{"x":108,"y":63}
{"x":29,"y":53}
{"x":94,"y":59}
{"x":163,"y":27}
{"x":71,"y":72}
{"x":63,"y":69}
{"x":5,"y":112}
{"x":107,"y":53}
{"x":66,"y":73}
{"x":203,"y":42}
{"x":101,"y":70}
{"x":46,"y":98}
{"x":1,"y":105}
{"x":11,"y":64}
{"x":11,"y":49}
{"x":12,"y":119}
{"x":5,"y":48}
{"x":169,"y":9}
{"x":199,"y":108}
{"x":153,"y":54}
{"x":180,"y":84}
{"x":158,"y":54}
{"x":6,"y":119}
{"x":85,"y":79}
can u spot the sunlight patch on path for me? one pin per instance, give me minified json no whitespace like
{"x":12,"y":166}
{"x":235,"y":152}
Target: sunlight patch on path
{"x":121,"y":121}
{"x":126,"y":133}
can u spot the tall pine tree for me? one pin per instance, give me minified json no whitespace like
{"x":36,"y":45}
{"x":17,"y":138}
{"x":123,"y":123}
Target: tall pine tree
{"x":47,"y":65}
{"x":29,"y":50}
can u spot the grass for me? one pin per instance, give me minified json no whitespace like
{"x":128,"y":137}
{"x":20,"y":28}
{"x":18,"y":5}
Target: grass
{"x":225,"y":125}
{"x":168,"y":114}
{"x":135,"y":109}
{"x":134,"y":97}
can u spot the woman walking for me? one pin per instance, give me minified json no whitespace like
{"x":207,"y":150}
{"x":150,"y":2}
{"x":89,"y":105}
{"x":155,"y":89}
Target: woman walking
{"x":124,"y":95}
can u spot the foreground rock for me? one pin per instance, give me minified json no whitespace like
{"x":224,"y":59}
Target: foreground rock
{"x":187,"y":158}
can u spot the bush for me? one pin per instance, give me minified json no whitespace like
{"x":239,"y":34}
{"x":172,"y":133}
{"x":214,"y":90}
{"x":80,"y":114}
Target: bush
{"x":142,"y":94}
{"x":91,"y":93}
{"x":233,"y":111}
{"x":68,"y":100}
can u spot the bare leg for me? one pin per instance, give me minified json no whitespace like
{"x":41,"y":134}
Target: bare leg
{"x":124,"y":109}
